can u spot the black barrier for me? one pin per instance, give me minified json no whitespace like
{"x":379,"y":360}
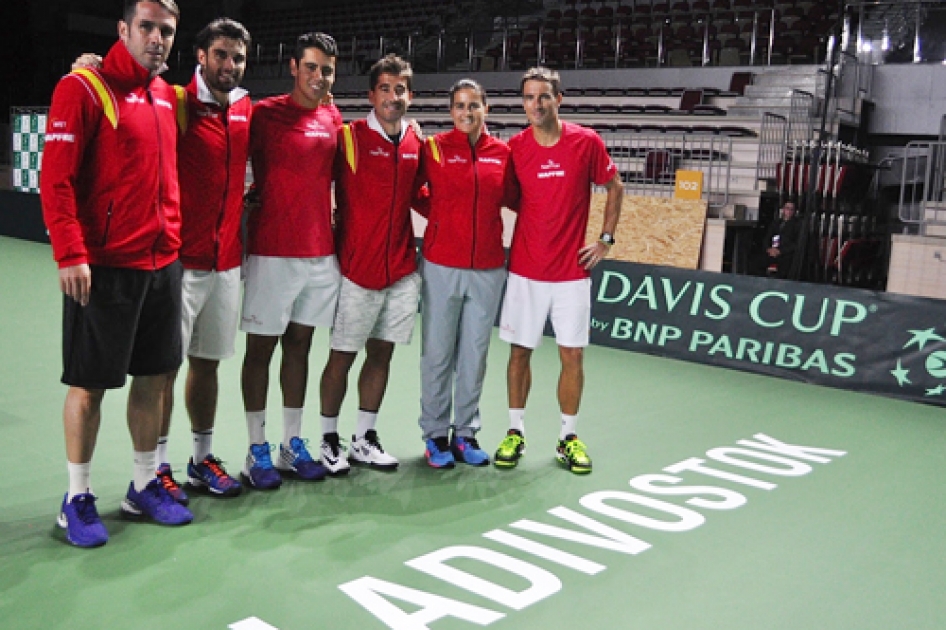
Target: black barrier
{"x":21,"y":216}
{"x":853,"y":339}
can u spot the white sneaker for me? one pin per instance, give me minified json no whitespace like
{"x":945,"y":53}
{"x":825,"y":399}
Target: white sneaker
{"x":332,"y":455}
{"x":368,"y":451}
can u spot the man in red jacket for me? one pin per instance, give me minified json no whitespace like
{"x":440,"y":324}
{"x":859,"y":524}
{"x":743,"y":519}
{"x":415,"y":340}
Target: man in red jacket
{"x":214,"y":127}
{"x":292,"y":275}
{"x":113,"y":216}
{"x":377,"y":164}
{"x":212,"y":154}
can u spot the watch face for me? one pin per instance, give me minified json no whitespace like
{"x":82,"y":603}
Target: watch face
{"x":607,"y":238}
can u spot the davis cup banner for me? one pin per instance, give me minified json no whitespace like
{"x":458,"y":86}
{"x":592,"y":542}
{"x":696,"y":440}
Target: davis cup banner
{"x":853,"y":339}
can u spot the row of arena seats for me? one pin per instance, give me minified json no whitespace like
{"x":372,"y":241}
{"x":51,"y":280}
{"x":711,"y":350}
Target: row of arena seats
{"x":354,"y":18}
{"x":696,"y":6}
{"x":432,"y":125}
{"x":575,"y":91}
{"x":585,"y":109}
{"x":640,"y":45}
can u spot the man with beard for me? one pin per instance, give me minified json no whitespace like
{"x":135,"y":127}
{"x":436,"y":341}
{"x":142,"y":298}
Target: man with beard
{"x":377,"y":164}
{"x":111,"y":203}
{"x":212,"y":155}
{"x":292,"y":275}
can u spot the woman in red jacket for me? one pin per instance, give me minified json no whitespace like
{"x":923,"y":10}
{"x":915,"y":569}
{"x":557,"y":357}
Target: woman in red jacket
{"x":469,"y":179}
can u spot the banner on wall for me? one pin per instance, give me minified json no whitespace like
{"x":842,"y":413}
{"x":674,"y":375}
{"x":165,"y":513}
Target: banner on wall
{"x":852,"y":339}
{"x":28,"y":129}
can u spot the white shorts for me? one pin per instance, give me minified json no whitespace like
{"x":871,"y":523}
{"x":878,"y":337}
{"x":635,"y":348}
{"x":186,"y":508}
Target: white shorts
{"x":364,"y":314}
{"x":209,"y":312}
{"x":282,"y":290}
{"x":528,"y":304}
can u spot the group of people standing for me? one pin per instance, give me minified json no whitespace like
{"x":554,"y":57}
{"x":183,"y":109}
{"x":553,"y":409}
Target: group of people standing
{"x":142,"y":192}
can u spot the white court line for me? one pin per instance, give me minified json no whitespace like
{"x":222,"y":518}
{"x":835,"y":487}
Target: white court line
{"x":251,"y":623}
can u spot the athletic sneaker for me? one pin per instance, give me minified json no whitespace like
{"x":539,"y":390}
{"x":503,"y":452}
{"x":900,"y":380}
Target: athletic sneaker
{"x":209,"y":476}
{"x":332,"y":456}
{"x":258,"y":470}
{"x":367,"y":450}
{"x":510,"y":449}
{"x":156,"y":503}
{"x":468,"y":451}
{"x":295,"y":460}
{"x":573,"y":453}
{"x":81,"y":521}
{"x":174,"y":489}
{"x":438,"y":453}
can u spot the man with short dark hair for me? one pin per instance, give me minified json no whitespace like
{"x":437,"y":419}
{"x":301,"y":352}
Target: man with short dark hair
{"x":111,"y":204}
{"x":781,"y":241}
{"x":378,"y":159}
{"x":292,"y":274}
{"x":556,"y":163}
{"x":212,"y":154}
{"x":214,"y":122}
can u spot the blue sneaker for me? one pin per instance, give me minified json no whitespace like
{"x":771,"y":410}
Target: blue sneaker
{"x":438,"y":453}
{"x":173,"y":488}
{"x":209,"y":476}
{"x":258,"y":470}
{"x":468,"y":451}
{"x":295,"y":460}
{"x":81,"y":521}
{"x":156,"y":503}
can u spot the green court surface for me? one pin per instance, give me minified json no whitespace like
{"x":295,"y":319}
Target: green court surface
{"x":791,"y":539}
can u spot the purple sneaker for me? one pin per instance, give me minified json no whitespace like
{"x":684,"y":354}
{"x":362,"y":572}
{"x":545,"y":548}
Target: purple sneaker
{"x":156,"y":503}
{"x":258,"y":470}
{"x":295,"y":460}
{"x":81,"y":521}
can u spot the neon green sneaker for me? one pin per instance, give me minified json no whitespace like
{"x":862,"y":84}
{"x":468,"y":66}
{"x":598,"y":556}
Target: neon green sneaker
{"x":573,"y":453}
{"x":510,"y":450}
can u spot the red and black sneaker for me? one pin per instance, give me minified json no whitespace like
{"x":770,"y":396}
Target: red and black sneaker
{"x":166,"y":479}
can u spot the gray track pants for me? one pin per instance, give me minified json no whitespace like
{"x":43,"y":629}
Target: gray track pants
{"x":458,"y":309}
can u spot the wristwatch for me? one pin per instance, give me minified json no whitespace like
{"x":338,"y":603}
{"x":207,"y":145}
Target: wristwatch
{"x":607,"y":238}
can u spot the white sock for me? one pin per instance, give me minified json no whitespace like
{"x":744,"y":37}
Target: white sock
{"x":291,"y":424}
{"x":203,"y":444}
{"x":256,"y":426}
{"x":161,"y":454}
{"x":366,"y":421}
{"x":79,"y":475}
{"x":145,"y":468}
{"x":568,"y":426}
{"x":517,"y":418}
{"x":329,"y":424}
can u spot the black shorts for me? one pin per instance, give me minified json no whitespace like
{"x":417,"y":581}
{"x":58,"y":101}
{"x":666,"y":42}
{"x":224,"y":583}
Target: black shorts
{"x":131,"y":325}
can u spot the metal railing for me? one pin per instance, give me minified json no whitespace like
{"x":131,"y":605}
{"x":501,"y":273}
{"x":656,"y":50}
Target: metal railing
{"x":648,"y":163}
{"x":772,"y":146}
{"x":801,"y":117}
{"x":923,"y":184}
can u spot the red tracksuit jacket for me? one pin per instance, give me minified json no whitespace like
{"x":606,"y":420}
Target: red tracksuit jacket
{"x":467,"y":188}
{"x":212,"y":154}
{"x":374,"y":186}
{"x":109,"y":184}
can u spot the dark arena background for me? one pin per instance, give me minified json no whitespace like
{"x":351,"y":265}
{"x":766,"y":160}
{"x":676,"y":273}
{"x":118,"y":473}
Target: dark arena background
{"x":767,"y":439}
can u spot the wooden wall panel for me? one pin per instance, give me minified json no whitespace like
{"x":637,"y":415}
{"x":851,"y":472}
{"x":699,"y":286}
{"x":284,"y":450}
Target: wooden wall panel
{"x":654,"y":230}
